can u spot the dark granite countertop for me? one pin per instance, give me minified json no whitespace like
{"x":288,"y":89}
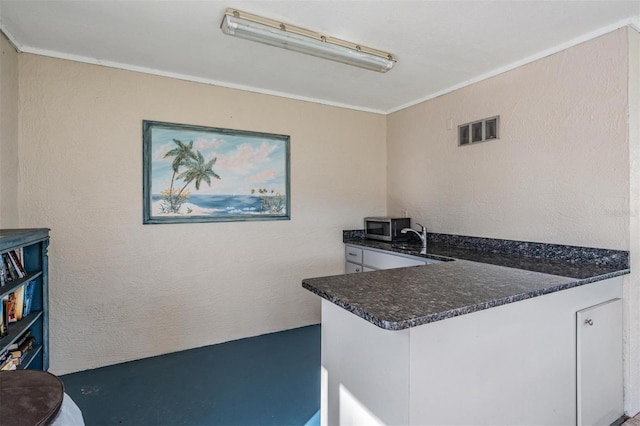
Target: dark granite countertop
{"x":484,"y":273}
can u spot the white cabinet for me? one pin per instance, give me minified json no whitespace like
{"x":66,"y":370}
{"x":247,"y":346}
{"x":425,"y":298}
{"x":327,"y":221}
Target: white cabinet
{"x":513,"y":364}
{"x":599,"y":363}
{"x":358,"y":259}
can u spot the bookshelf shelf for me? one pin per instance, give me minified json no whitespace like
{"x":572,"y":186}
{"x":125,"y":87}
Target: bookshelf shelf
{"x":11,"y":286}
{"x":18,"y":328}
{"x":33,"y":243}
{"x":33,"y":354}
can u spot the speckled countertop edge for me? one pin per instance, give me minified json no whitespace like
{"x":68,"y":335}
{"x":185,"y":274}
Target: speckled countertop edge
{"x":459,"y":287}
{"x":451,"y":313}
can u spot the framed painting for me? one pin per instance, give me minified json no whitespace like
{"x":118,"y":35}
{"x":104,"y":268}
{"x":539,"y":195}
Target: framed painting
{"x":208,"y":174}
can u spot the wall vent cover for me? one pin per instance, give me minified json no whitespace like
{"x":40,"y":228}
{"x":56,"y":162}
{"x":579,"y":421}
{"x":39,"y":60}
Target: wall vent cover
{"x":479,"y":131}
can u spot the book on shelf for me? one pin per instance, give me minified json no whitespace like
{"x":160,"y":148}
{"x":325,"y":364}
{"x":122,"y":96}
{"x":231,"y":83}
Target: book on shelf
{"x":28,"y":297}
{"x":5,"y":269}
{"x":9,"y":307}
{"x":24,"y":347}
{"x":4,"y":326}
{"x":18,"y":294}
{"x":4,"y":274}
{"x":18,"y":354}
{"x":6,"y":362}
{"x":5,"y":314}
{"x":12,"y":274}
{"x":17,"y":263}
{"x":23,"y":338}
{"x":20,"y":253}
{"x":8,"y":365}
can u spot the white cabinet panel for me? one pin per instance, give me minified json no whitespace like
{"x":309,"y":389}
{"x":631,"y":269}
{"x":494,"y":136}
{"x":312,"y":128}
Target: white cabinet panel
{"x":599,"y":363}
{"x":353,"y":254}
{"x":366,"y":370}
{"x":379,"y":260}
{"x":359,"y":259}
{"x":352,"y":268}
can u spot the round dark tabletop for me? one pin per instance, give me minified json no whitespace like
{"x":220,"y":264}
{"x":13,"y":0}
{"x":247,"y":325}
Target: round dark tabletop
{"x":29,"y":397}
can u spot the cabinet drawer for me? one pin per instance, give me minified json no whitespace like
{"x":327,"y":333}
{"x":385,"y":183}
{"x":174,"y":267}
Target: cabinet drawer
{"x":352,"y":268}
{"x":353,"y":254}
{"x":378,"y":260}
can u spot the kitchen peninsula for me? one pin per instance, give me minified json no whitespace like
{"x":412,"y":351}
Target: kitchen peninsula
{"x":502,"y":332}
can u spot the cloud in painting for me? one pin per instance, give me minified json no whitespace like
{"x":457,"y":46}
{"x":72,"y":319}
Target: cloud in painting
{"x":263,"y":177}
{"x":245,"y":158}
{"x":204,"y":144}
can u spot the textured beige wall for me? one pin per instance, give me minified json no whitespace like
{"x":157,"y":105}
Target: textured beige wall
{"x":558,"y":174}
{"x":8,"y":134}
{"x":121,"y":290}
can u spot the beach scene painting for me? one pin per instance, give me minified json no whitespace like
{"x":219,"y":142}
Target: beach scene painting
{"x":207,"y":174}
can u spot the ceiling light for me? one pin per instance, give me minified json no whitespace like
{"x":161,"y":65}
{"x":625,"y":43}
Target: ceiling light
{"x":273,"y":33}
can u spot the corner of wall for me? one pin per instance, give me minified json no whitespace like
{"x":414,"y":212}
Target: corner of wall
{"x":632,"y":282}
{"x":9,"y":133}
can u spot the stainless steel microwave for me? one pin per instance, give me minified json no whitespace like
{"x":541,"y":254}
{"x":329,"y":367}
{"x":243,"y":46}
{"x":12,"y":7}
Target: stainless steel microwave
{"x":385,"y":228}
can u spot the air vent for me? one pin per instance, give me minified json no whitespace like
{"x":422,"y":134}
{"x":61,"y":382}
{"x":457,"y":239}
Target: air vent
{"x":479,"y":131}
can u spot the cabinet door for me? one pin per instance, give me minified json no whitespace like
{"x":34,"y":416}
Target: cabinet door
{"x":351,"y":268}
{"x":599,"y":363}
{"x":379,"y":260}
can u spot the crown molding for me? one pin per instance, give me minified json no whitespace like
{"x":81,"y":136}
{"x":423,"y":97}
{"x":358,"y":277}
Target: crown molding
{"x":631,"y":22}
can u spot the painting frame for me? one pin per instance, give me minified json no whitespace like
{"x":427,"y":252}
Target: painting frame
{"x":182,"y":162}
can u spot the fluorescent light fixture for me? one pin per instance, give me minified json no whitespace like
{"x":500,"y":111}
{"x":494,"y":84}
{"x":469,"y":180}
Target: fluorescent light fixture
{"x":273,"y":33}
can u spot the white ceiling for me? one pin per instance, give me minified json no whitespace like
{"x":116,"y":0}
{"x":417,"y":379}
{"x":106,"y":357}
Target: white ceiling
{"x":440,"y":45}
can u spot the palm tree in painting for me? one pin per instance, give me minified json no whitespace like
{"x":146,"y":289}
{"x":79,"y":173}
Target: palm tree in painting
{"x":198,"y":170}
{"x":181,"y":154}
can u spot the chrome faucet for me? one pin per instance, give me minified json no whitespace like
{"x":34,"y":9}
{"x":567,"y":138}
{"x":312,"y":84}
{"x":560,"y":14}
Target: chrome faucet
{"x":422,"y":235}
